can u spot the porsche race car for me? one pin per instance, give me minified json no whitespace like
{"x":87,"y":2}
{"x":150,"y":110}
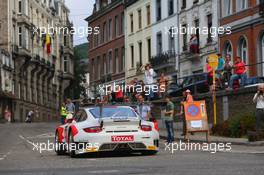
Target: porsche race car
{"x":106,"y":129}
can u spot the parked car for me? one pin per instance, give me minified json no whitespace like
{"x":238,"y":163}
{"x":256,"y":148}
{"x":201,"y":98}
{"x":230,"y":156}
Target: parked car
{"x":197,"y":83}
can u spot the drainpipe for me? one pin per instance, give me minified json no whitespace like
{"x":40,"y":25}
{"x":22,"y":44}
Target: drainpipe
{"x":178,"y":49}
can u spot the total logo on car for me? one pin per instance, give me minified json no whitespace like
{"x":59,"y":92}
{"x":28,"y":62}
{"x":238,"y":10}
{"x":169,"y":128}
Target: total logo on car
{"x":105,"y":129}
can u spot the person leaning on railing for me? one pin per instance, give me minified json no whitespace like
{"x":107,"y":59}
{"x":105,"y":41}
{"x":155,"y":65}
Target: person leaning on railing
{"x":239,"y":73}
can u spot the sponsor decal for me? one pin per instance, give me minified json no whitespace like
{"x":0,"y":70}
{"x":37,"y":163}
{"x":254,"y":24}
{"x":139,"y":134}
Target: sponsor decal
{"x":126,"y":138}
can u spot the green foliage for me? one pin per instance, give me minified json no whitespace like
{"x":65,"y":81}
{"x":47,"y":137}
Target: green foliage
{"x":75,"y":89}
{"x":237,"y":126}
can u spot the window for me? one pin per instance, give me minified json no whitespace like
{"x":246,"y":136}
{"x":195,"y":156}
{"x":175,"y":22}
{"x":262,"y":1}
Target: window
{"x":148,"y":15}
{"x":243,"y":50}
{"x":116,"y":26}
{"x":183,"y":4}
{"x":241,"y":4}
{"x":20,"y":36}
{"x":66,"y":65}
{"x":227,"y":7}
{"x":93,"y":70}
{"x":140,"y":53}
{"x":19,"y":6}
{"x":228,"y":49}
{"x":132,"y":56}
{"x":116,"y":61}
{"x":159,"y":43}
{"x":149,"y":49}
{"x":209,"y":24}
{"x":105,"y":64}
{"x":110,"y":29}
{"x":27,"y":39}
{"x":158,"y":9}
{"x":110,"y":62}
{"x":98,"y":67}
{"x":262,"y":52}
{"x":139,"y":19}
{"x":195,"y":1}
{"x":123,"y":60}
{"x":184,"y":38}
{"x":171,"y":41}
{"x":104,"y":32}
{"x":131,"y":23}
{"x":171,"y":7}
{"x":122,"y":23}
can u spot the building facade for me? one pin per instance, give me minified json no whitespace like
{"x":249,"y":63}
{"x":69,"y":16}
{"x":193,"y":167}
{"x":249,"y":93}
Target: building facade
{"x":246,"y":19}
{"x":200,"y":14}
{"x":41,"y":61}
{"x":165,"y":39}
{"x":107,"y":48}
{"x":137,"y":37}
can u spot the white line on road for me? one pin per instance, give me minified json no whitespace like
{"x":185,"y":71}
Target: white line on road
{"x":5,"y":155}
{"x":28,"y":141}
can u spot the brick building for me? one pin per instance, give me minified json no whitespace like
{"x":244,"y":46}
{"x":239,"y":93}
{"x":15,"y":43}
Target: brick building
{"x":247,"y":37}
{"x":106,"y":49}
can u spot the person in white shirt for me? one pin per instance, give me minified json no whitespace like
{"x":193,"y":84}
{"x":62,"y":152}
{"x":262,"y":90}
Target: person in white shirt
{"x":259,"y":100}
{"x":149,"y":80}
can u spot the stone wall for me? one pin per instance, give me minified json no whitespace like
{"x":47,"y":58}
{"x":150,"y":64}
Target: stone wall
{"x":229,"y":104}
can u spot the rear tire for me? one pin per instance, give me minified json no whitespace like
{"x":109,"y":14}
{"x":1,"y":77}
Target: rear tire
{"x":71,"y":143}
{"x":59,"y":147}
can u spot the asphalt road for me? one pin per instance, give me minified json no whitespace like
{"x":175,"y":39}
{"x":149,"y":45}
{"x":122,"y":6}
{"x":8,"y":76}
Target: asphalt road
{"x":18,"y":157}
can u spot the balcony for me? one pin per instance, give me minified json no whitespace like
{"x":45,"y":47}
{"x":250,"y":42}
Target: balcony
{"x":23,"y":19}
{"x":163,"y":60}
{"x":106,"y":78}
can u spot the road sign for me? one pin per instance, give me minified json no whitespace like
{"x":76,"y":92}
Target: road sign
{"x":196,"y":118}
{"x":213,"y":61}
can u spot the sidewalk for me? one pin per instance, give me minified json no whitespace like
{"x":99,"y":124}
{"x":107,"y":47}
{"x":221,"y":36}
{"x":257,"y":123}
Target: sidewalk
{"x":201,"y":137}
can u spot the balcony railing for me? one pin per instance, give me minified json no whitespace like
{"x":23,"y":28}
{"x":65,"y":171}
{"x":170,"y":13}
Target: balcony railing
{"x":164,"y":59}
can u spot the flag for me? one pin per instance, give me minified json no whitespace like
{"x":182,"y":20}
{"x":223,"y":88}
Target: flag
{"x":48,"y":43}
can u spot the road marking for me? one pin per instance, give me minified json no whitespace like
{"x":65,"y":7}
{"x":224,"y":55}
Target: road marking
{"x":46,"y":135}
{"x":28,"y":141}
{"x":5,"y":155}
{"x":103,"y":171}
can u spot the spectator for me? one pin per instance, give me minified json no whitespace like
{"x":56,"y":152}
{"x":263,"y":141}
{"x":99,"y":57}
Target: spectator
{"x":220,"y":70}
{"x":29,"y":116}
{"x":163,"y":81}
{"x":228,"y":68}
{"x":63,"y":113}
{"x":149,"y":80}
{"x":259,"y":100}
{"x":189,"y":97}
{"x":169,"y":119}
{"x":239,"y":73}
{"x":194,"y":44}
{"x":7,"y":114}
{"x":143,"y":109}
{"x":119,"y":96}
{"x":209,"y":70}
{"x":70,"y":107}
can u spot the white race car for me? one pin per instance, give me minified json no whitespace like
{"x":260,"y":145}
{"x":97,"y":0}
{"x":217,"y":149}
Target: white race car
{"x":107,"y":128}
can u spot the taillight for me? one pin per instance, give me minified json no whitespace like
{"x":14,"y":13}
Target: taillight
{"x":156,"y":125}
{"x":145,"y":128}
{"x":94,"y":129}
